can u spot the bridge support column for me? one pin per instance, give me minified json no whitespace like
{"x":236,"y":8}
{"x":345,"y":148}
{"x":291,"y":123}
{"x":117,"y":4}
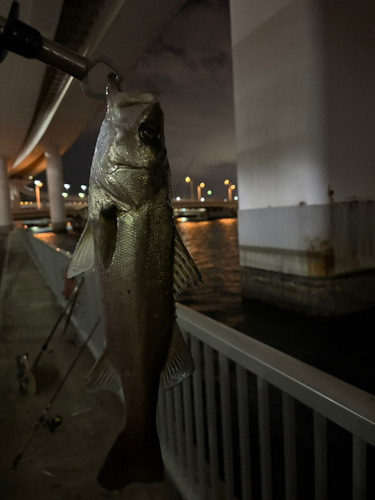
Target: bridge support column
{"x":6,"y":223}
{"x":55,"y":188}
{"x":304,"y":109}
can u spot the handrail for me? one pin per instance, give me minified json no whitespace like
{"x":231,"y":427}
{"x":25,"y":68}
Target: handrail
{"x":223,"y":358}
{"x":344,"y":404}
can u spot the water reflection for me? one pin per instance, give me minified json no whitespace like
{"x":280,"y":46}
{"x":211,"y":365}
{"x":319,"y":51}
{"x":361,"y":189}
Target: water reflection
{"x":214,"y":248}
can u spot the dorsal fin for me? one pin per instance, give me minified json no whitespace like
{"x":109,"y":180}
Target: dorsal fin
{"x":185,"y":271}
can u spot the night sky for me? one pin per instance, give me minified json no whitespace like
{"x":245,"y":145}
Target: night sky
{"x":190,"y":65}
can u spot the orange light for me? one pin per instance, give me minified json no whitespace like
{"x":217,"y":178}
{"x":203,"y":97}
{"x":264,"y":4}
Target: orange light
{"x":233,"y":187}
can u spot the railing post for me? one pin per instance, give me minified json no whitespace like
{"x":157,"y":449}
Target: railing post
{"x":264,"y":439}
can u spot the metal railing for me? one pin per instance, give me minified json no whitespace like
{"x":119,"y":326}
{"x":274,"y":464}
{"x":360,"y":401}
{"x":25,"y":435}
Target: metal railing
{"x":219,"y":427}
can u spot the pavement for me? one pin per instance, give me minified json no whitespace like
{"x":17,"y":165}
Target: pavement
{"x":63,"y":464}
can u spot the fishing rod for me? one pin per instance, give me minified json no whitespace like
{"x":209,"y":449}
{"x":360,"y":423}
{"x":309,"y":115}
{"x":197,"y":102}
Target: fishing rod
{"x":72,"y":301}
{"x":43,"y":418}
{"x":27,"y":382}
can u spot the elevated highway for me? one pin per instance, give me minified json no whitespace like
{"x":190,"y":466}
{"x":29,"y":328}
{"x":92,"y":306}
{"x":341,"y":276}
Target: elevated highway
{"x":42,"y":110}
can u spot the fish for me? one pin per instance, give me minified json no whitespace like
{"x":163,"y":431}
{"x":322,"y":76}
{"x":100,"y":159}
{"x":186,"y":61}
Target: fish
{"x":132,"y":243}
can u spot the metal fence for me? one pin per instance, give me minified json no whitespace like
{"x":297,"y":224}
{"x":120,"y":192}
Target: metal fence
{"x":252,"y":422}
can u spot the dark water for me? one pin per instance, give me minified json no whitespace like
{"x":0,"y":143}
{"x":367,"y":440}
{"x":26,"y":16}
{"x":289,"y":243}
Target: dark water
{"x":341,"y":346}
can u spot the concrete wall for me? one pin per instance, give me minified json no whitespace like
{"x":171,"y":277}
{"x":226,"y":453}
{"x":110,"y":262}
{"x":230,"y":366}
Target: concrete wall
{"x":304,"y":95}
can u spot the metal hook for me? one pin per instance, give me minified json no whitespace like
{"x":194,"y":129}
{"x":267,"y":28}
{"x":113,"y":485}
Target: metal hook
{"x":85,"y":84}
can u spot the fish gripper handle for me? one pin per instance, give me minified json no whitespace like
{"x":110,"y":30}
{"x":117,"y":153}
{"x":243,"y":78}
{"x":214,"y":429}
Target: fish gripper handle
{"x":19,"y":37}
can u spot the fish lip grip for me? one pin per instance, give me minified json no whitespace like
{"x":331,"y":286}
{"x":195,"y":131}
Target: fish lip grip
{"x":18,"y":37}
{"x":26,"y":41}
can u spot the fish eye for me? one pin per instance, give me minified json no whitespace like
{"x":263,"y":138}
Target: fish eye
{"x":148,"y":133}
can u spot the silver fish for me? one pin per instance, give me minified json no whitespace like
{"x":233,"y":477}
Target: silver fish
{"x":142,"y":265}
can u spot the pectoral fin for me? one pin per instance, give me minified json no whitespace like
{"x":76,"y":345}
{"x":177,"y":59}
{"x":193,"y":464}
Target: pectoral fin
{"x":83,"y":257}
{"x":180,"y":363}
{"x":185,"y":271}
{"x":107,"y":235}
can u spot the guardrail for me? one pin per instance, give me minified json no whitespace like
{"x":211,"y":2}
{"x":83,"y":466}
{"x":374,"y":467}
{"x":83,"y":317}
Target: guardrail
{"x":241,"y":390}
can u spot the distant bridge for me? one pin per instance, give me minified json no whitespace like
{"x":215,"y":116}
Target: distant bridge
{"x":188,"y":209}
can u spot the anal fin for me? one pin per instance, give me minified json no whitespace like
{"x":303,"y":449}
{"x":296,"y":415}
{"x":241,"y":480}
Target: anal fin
{"x":103,"y":376}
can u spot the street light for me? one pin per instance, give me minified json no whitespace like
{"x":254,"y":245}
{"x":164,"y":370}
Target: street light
{"x":199,"y":189}
{"x":230,"y":190}
{"x":83,"y":187}
{"x":67,"y":186}
{"x":81,"y":195}
{"x":231,"y":187}
{"x":190,"y":181}
{"x":38,"y":185}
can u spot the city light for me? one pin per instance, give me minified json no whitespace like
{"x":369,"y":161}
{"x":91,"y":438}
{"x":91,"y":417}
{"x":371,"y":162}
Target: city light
{"x":81,"y":195}
{"x":178,"y":198}
{"x":65,"y":195}
{"x":67,"y":186}
{"x":83,"y":187}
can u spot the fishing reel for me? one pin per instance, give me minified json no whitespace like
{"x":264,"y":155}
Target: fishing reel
{"x":27,"y":384}
{"x":52,"y":423}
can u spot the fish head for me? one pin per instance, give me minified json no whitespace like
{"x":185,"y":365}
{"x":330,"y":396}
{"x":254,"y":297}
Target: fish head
{"x":131,"y":155}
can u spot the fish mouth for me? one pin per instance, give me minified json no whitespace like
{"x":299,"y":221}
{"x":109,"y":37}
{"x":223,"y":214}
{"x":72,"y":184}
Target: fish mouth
{"x":129,"y":166}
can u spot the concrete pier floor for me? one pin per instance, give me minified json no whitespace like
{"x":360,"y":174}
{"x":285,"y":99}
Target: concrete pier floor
{"x":62,"y":465}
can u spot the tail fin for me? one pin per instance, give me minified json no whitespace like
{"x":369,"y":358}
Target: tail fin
{"x":129,"y":462}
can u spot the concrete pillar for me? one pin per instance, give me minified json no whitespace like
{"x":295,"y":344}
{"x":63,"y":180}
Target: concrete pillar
{"x":6,"y":223}
{"x":55,"y":188}
{"x":304,"y":84}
